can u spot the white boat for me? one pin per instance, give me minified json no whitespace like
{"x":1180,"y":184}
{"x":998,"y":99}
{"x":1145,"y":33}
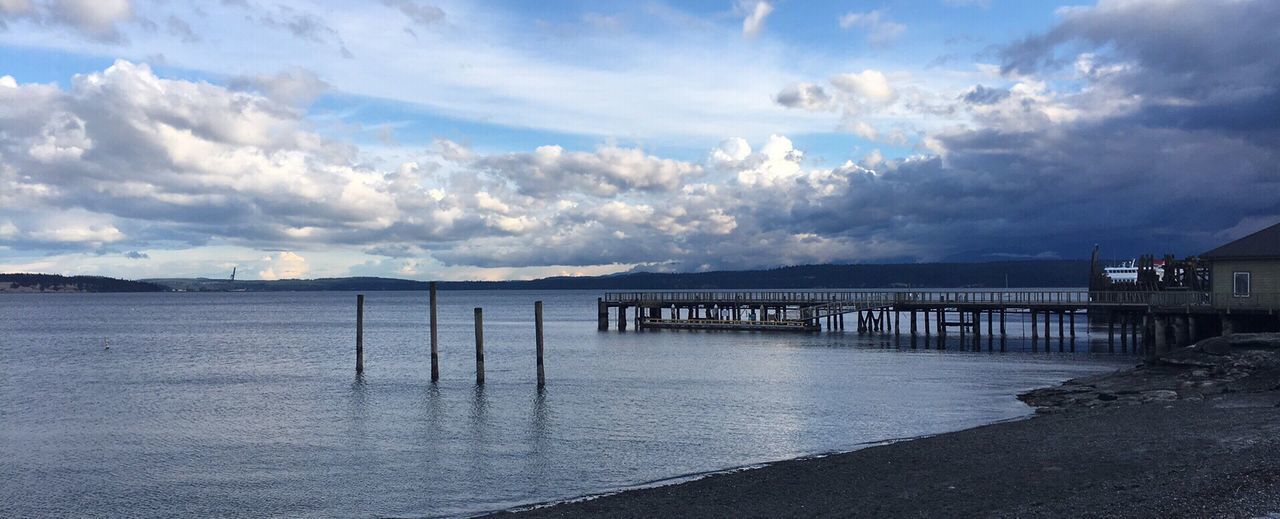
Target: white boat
{"x":1128,"y":272}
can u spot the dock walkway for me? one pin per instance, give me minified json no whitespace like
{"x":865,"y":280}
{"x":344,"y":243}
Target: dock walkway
{"x":1158,"y":319}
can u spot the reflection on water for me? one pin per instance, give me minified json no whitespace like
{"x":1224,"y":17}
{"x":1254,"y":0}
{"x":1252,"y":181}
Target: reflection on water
{"x":246,"y":404}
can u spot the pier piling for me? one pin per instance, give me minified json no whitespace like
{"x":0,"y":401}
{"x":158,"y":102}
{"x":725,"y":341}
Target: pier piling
{"x":1035,"y":333}
{"x":537,"y":332}
{"x":435,"y":336}
{"x":479,"y":346}
{"x":359,"y":333}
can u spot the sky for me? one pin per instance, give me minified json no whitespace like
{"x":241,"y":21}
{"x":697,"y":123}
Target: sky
{"x":431,"y":139}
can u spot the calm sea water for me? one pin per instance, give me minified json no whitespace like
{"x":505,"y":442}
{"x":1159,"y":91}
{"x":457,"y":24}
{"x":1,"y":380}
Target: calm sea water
{"x":246,"y":404}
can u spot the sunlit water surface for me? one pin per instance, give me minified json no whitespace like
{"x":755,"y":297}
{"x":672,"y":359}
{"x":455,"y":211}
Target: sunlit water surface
{"x":247,"y":404}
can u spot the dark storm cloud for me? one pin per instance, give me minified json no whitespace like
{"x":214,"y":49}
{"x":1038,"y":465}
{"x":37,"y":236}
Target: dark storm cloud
{"x":981,"y":95}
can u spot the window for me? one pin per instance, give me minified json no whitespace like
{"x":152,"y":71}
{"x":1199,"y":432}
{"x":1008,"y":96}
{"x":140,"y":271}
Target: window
{"x":1241,"y":285}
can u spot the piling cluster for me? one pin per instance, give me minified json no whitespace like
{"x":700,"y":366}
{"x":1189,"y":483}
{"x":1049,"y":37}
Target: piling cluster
{"x":435,"y":338}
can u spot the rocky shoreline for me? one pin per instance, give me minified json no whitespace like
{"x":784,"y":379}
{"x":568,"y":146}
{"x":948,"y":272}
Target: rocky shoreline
{"x":1246,"y":362}
{"x":1193,"y":433}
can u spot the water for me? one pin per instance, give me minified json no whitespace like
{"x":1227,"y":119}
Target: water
{"x":246,"y":404}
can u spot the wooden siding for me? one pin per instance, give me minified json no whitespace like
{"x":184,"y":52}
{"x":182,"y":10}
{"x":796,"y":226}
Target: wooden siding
{"x":1264,"y":275}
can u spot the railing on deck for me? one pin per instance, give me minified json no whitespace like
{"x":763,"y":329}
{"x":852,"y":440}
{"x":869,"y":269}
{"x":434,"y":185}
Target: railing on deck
{"x":994,"y":297}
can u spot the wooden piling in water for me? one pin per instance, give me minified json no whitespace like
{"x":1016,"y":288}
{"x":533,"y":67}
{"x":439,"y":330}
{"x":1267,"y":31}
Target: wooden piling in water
{"x":991,"y":336}
{"x":602,"y":315}
{"x":480,"y":345}
{"x":1035,"y":333}
{"x":359,"y":333}
{"x":1125,"y":325}
{"x":913,"y":322}
{"x":897,"y":323}
{"x":1047,"y":333}
{"x":622,"y":318}
{"x":435,"y":335}
{"x":1111,"y":332}
{"x":537,"y":333}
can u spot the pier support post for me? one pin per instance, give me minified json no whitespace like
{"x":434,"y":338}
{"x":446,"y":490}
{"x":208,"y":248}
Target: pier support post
{"x":1111,"y":332}
{"x":602,"y":315}
{"x":479,"y":346}
{"x":359,"y":333}
{"x":941,"y":315}
{"x":537,"y":334}
{"x":1060,"y":334}
{"x":991,"y":336}
{"x":1179,"y":331}
{"x":1193,"y":329}
{"x":927,"y":325}
{"x":913,"y":323}
{"x":1126,"y":325}
{"x":977,"y":331}
{"x":1035,"y":332}
{"x":1161,"y":336}
{"x":622,"y":318}
{"x":435,"y":335}
{"x":1047,"y":333}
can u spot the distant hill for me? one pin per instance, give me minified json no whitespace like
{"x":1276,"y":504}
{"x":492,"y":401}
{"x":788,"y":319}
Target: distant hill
{"x":1022,"y":274}
{"x":31,"y":283}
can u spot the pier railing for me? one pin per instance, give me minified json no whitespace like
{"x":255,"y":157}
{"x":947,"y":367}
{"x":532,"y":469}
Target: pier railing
{"x":852,"y":297}
{"x":1014,"y":298}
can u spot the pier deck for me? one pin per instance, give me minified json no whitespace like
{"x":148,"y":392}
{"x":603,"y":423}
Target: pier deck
{"x":1159,"y":320}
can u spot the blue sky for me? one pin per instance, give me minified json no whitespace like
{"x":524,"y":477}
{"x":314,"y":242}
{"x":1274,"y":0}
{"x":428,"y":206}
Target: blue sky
{"x":458,"y":140}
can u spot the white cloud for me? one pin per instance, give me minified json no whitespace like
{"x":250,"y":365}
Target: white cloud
{"x":756,"y":13}
{"x":870,"y":85}
{"x":879,"y":28}
{"x":284,"y":265}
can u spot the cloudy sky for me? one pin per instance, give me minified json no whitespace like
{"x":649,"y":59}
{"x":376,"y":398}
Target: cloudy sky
{"x":432,"y":139}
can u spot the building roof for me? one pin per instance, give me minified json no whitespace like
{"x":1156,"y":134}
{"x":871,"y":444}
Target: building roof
{"x":1261,"y":244}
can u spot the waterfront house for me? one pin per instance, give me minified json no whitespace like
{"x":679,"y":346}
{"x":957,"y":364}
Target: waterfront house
{"x":1246,"y":272}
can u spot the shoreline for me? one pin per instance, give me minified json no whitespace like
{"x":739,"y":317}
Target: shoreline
{"x":1195,"y":434}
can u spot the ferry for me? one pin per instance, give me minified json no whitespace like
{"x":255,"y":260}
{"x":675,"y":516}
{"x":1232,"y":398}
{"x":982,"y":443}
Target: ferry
{"x":1128,"y":271}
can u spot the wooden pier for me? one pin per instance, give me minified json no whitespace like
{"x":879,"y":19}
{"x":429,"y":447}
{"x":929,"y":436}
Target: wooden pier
{"x":1150,"y":321}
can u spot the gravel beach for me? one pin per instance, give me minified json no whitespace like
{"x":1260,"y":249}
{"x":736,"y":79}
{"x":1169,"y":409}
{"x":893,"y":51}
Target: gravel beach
{"x":1195,"y":436}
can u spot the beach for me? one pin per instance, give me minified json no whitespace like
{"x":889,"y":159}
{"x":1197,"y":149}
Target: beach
{"x":1194,"y":435}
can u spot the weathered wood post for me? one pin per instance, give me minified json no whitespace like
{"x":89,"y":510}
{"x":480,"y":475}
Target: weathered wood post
{"x":1035,"y":332}
{"x":479,"y":345}
{"x":359,"y":333}
{"x":1161,"y":337}
{"x":1193,"y":331}
{"x":913,"y":322}
{"x":435,"y":336}
{"x":1111,"y":332}
{"x":1147,"y":335}
{"x":602,"y":315}
{"x":1002,"y":334}
{"x":622,"y":318}
{"x":1061,"y":335}
{"x":1179,"y":331}
{"x":897,"y":322}
{"x":991,"y":336}
{"x":537,"y":333}
{"x":1126,"y":324}
{"x":1047,"y":333}
{"x":1072,"y":322}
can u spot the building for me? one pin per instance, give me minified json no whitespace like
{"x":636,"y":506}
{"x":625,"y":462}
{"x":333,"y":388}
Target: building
{"x":1246,"y":272}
